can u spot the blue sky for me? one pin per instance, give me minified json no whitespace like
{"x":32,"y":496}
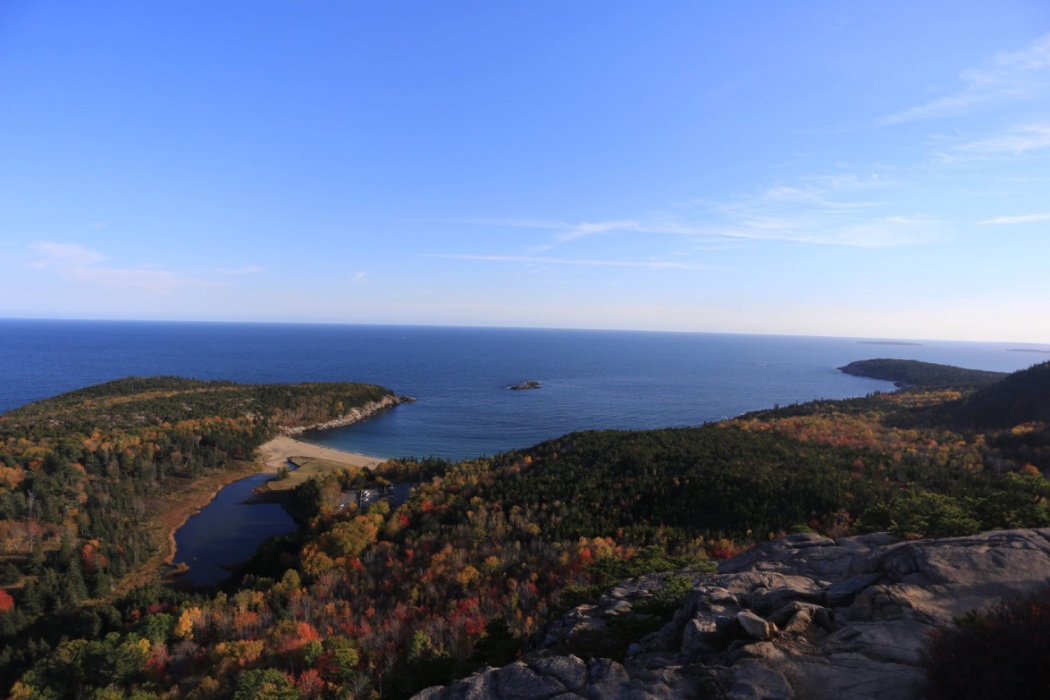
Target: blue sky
{"x":873,"y":169}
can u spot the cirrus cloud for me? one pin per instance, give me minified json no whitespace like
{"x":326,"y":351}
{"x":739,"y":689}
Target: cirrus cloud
{"x":1009,"y":76}
{"x":83,"y":265}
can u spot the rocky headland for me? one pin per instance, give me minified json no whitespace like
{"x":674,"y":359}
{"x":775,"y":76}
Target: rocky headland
{"x":352,"y":416}
{"x":799,"y":617}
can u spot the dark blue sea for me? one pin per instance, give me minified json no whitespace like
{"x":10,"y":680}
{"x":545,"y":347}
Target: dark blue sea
{"x":590,"y":379}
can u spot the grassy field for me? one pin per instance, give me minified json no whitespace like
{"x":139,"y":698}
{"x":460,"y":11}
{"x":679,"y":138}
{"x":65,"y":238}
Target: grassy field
{"x":306,"y":467}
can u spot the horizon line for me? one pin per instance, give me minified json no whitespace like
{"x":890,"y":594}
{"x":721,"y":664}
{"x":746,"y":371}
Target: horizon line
{"x":875,"y":339}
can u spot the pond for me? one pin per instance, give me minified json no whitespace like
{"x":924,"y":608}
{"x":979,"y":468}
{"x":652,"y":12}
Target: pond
{"x":228,"y":531}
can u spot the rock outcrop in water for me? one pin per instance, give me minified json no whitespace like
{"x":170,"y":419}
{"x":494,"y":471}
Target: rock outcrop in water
{"x":523,"y":386}
{"x":800,"y":617}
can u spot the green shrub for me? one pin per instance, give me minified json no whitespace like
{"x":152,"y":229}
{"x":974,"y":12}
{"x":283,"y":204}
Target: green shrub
{"x":667,"y":598}
{"x":1003,"y":653}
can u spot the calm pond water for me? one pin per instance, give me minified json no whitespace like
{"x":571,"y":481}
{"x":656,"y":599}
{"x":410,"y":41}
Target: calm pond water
{"x":228,"y":531}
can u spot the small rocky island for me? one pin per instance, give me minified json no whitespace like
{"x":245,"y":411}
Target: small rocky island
{"x":531,"y":384}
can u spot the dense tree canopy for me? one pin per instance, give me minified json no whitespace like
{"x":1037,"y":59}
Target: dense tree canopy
{"x":84,"y":475}
{"x":927,"y":375}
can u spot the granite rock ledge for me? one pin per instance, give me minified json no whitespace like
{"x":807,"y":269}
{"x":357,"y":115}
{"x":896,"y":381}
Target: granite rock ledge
{"x":800,"y":617}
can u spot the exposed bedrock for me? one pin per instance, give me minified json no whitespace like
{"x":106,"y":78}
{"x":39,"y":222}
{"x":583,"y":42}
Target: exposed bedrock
{"x":800,"y":617}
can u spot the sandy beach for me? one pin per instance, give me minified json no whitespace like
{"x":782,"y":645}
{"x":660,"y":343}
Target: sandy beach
{"x":275,"y":453}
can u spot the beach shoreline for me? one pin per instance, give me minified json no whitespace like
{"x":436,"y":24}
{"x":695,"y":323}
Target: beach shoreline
{"x":274,"y":454}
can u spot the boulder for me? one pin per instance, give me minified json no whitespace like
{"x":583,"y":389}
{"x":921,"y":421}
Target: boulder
{"x":799,"y":622}
{"x":570,"y":670}
{"x":843,"y":593}
{"x":755,"y":626}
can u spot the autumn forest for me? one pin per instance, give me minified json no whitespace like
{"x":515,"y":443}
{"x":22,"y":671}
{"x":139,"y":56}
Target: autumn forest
{"x":382,"y":601}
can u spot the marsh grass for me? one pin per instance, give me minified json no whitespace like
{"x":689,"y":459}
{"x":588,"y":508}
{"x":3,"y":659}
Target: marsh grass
{"x":305,"y":469}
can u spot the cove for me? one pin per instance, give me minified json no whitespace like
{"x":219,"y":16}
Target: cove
{"x":228,"y":531}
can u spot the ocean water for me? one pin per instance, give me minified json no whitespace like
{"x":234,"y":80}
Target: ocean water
{"x":590,"y":379}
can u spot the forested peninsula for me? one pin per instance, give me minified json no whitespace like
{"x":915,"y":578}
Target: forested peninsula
{"x":913,"y":373}
{"x":484,"y":555}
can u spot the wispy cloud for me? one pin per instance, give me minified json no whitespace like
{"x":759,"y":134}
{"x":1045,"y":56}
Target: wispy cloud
{"x":1016,"y":141}
{"x":64,"y":256}
{"x":824,"y":193}
{"x":835,"y":210}
{"x":588,"y":228}
{"x":881,"y":232}
{"x":1008,"y":76}
{"x":244,"y":270}
{"x":534,"y":260}
{"x":564,"y":231}
{"x":1010,"y":220}
{"x":80,"y":264}
{"x":827,"y":211}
